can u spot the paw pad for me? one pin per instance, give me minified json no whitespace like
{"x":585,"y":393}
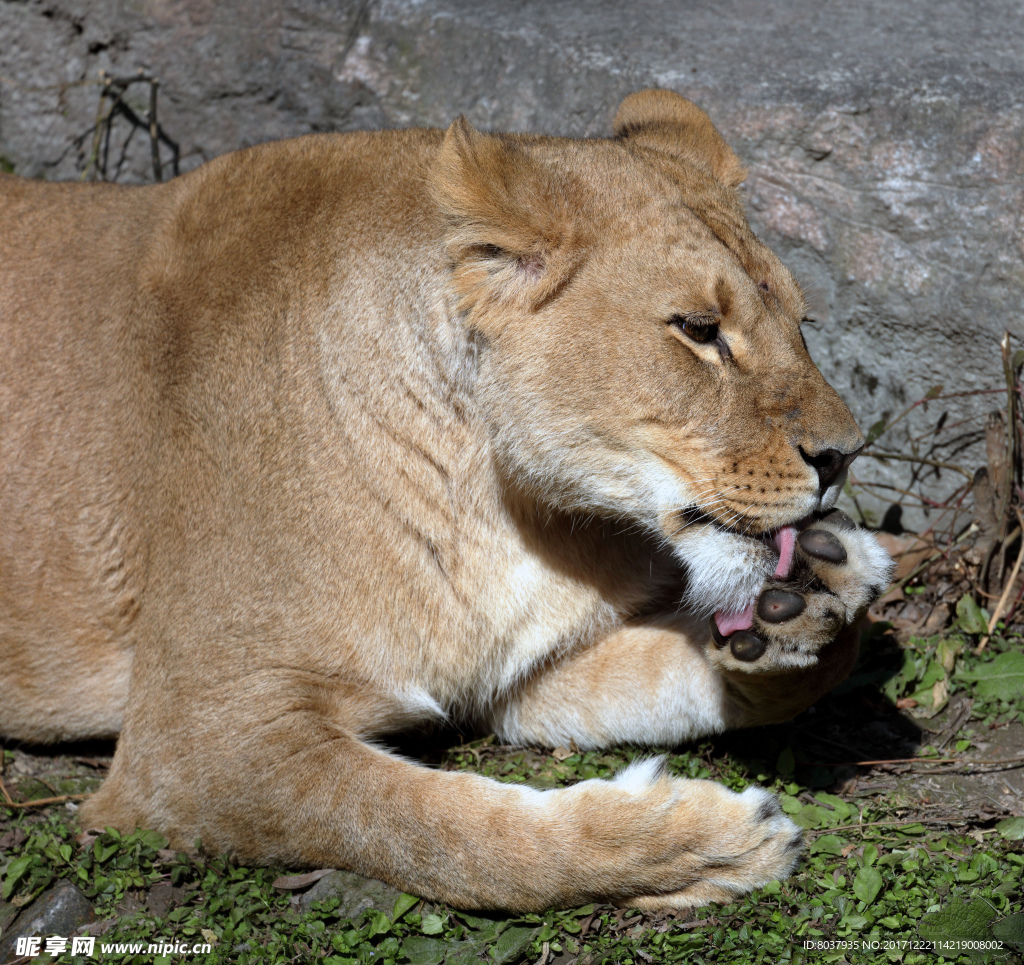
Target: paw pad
{"x":747,"y":646}
{"x":840,"y":520}
{"x":822,"y":545}
{"x":777,"y":606}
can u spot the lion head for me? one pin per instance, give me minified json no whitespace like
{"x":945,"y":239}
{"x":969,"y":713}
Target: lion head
{"x":640,"y":353}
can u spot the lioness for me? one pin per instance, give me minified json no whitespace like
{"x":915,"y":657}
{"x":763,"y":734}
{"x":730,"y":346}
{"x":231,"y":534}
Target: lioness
{"x":344,"y":434}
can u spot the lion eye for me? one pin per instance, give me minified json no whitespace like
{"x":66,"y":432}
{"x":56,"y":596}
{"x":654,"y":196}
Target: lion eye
{"x":699,"y":326}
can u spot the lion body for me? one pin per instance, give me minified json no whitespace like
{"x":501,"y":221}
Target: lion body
{"x":338,"y":436}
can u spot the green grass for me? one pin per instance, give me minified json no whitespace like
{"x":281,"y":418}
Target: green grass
{"x":880,"y":867}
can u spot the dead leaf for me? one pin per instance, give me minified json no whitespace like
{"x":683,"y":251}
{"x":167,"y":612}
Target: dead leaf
{"x":895,"y":595}
{"x":937,"y":621}
{"x":87,"y":837}
{"x":12,"y":839}
{"x":908,"y":551}
{"x":298,"y":882}
{"x":906,"y":703}
{"x":561,"y":754}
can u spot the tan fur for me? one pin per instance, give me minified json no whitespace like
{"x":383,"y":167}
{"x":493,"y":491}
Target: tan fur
{"x":339,"y":435}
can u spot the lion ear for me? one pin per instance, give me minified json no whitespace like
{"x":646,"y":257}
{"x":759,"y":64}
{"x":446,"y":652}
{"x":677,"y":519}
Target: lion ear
{"x":668,"y":122}
{"x":512,"y":222}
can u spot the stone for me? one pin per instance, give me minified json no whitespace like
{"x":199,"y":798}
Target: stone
{"x":356,"y":893}
{"x":59,"y":910}
{"x":885,"y":142}
{"x":8,"y":913}
{"x":162,"y":897}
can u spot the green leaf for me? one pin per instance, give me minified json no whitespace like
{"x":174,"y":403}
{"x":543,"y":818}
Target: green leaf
{"x":875,"y":431}
{"x":969,"y":617}
{"x":812,"y":816}
{"x":151,"y":839}
{"x":786,"y":763}
{"x":65,"y":852}
{"x":827,"y":844}
{"x":1001,"y":678}
{"x":897,"y":684}
{"x":959,"y":921}
{"x":927,"y":694}
{"x":1011,"y":828}
{"x":867,"y":885}
{"x":15,"y":872}
{"x":402,"y":904}
{"x":934,"y":392}
{"x":432,"y":925}
{"x":947,"y":650}
{"x":513,"y":944}
{"x":475,"y":923}
{"x":913,"y":828}
{"x":790,"y":804}
{"x":380,"y":924}
{"x":465,"y":953}
{"x":423,"y":951}
{"x":1010,"y":931}
{"x":843,"y":809}
{"x":548,"y":931}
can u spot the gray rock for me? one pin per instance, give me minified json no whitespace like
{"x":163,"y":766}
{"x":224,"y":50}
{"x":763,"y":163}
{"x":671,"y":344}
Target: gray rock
{"x":8,"y":913}
{"x":59,"y":910}
{"x":511,"y":946}
{"x":356,"y":893}
{"x":885,"y":140}
{"x":162,"y":897}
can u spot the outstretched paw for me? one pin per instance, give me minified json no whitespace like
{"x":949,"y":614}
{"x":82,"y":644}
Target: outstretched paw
{"x":757,"y":844}
{"x":828,"y":574}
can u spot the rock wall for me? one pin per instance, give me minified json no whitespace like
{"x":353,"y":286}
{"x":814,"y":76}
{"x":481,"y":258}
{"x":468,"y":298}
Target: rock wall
{"x":885,"y":140}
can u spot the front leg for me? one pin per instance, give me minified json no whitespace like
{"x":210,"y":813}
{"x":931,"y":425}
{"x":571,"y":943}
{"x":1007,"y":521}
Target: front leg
{"x":661,"y":684}
{"x":677,"y":678}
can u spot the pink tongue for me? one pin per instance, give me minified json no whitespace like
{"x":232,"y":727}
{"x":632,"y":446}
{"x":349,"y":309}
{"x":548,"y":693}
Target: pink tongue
{"x":785,"y":542}
{"x":729,"y":623}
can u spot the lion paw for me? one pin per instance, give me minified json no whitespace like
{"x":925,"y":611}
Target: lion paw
{"x":837,"y":571}
{"x":757,"y":844}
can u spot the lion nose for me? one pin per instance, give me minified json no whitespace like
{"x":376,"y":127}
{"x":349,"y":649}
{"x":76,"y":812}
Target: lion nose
{"x":829,"y":464}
